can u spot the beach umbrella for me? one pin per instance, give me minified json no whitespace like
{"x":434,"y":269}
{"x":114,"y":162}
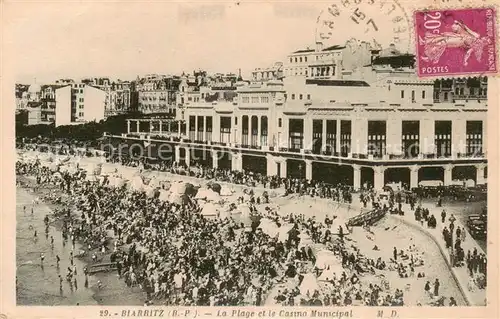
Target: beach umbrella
{"x":216,"y":187}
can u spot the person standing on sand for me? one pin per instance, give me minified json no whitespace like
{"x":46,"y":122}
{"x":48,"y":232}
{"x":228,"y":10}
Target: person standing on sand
{"x":436,"y":287}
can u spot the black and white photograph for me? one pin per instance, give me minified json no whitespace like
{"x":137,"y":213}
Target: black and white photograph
{"x":247,"y":154}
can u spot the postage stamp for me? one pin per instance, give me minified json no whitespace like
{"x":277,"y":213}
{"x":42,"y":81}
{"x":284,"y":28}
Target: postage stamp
{"x":454,"y":42}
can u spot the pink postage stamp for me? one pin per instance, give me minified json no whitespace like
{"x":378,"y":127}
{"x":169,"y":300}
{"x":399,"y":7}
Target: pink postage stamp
{"x":454,"y":42}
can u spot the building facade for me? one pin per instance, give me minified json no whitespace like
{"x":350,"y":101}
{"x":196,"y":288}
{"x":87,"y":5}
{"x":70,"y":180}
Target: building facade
{"x":78,"y":103}
{"x":349,"y":122}
{"x":158,"y":94}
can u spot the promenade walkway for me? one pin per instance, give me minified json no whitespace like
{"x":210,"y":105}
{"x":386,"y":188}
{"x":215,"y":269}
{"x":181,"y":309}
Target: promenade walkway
{"x":475,"y":296}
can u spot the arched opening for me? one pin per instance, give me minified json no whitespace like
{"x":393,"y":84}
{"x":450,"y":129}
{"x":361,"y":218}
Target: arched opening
{"x":397,"y":176}
{"x":367,"y":177}
{"x":263,"y":130}
{"x":255,"y":126}
{"x":332,"y":173}
{"x":431,"y":174}
{"x":224,"y":160}
{"x":464,"y":173}
{"x":296,"y":169}
{"x":256,"y":164}
{"x":202,"y":156}
{"x":244,"y":130}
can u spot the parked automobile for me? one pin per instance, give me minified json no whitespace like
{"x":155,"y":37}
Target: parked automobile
{"x":477,"y":226}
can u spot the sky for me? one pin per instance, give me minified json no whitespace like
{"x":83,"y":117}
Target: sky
{"x":45,"y":41}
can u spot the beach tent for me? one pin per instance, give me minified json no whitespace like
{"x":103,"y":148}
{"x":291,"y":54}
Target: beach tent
{"x":283,"y":232}
{"x":108,"y":169}
{"x":325,"y":259}
{"x":208,"y":195}
{"x":136,"y":183}
{"x":209,"y":210}
{"x":309,"y":285}
{"x":337,"y":224}
{"x":164,"y":195}
{"x":53,"y":167}
{"x":127,"y":172}
{"x":178,"y":187}
{"x":116,"y":181}
{"x":180,"y":199}
{"x":269,"y":227}
{"x":332,"y":271}
{"x":226,"y":191}
{"x":90,"y":178}
{"x":150,"y":191}
{"x":305,"y":240}
{"x":242,"y":215}
{"x":224,"y":214}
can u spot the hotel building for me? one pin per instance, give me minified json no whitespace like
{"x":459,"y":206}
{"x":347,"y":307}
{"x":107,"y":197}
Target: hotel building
{"x":353,"y":114}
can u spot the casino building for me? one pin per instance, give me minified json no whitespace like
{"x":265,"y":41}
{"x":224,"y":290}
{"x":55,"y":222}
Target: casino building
{"x":353,"y":114}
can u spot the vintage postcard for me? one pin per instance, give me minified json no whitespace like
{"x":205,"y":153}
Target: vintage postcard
{"x":249,"y":159}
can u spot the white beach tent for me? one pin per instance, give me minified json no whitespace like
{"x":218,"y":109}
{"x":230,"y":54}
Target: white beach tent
{"x":332,"y":271}
{"x":108,"y":169}
{"x":210,"y":210}
{"x":116,"y":181}
{"x":283,"y":232}
{"x":269,"y":227}
{"x":208,"y":195}
{"x":305,"y":240}
{"x":326,"y":258}
{"x":150,"y":191}
{"x":164,"y":195}
{"x":226,"y":191}
{"x":309,"y":285}
{"x":178,"y":187}
{"x":136,"y":183}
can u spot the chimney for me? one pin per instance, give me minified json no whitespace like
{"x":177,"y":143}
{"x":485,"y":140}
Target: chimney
{"x":319,"y":46}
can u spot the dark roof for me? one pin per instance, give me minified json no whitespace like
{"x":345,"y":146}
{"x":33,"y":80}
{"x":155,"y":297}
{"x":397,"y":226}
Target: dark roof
{"x":334,"y":47}
{"x":53,"y":86}
{"x":330,"y":48}
{"x":336,"y":82}
{"x":396,"y":61}
{"x":223,"y":88}
{"x":304,"y":51}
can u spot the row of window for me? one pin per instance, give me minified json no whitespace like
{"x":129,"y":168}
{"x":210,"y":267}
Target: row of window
{"x":294,"y":96}
{"x":299,"y":59}
{"x":413,"y":98}
{"x":255,"y":99}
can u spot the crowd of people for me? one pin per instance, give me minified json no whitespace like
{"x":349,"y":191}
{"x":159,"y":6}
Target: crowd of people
{"x":182,"y":258}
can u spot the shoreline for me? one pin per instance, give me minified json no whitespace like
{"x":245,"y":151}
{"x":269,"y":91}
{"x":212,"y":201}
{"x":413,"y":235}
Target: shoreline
{"x":111,"y":283}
